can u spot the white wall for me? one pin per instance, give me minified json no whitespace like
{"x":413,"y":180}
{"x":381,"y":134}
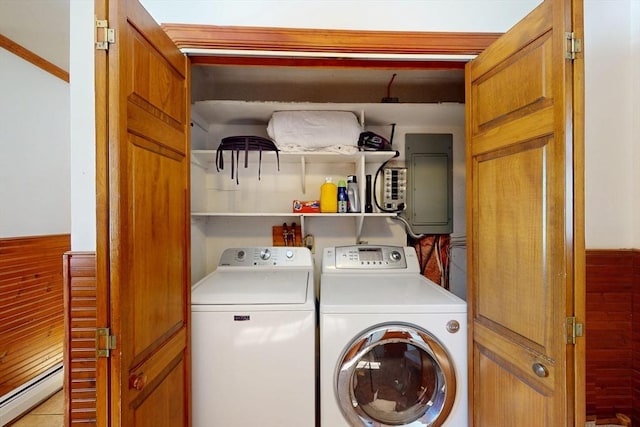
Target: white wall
{"x":612,"y":92}
{"x":391,"y":15}
{"x":82,"y":113}
{"x":34,"y":135}
{"x":611,"y":206}
{"x":635,"y":131}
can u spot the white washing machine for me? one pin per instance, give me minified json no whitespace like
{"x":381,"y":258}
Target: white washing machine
{"x":393,"y":344}
{"x":253,"y":340}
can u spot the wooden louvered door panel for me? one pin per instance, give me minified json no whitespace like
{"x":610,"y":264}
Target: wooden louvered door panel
{"x":80,"y":292}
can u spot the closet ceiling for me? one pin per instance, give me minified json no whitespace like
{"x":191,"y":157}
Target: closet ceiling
{"x":315,"y":84}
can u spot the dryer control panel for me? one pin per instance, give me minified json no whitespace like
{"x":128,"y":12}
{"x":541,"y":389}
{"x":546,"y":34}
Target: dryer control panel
{"x":366,"y":257}
{"x":271,"y":256}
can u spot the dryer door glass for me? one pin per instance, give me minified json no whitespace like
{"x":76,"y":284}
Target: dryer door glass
{"x":396,"y":375}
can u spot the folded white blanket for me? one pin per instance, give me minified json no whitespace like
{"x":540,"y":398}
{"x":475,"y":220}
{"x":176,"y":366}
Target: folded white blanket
{"x":315,"y":130}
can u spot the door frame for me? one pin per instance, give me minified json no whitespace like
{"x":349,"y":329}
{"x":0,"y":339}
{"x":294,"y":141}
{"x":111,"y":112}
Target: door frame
{"x":101,"y":64}
{"x":271,"y":46}
{"x":304,"y":41}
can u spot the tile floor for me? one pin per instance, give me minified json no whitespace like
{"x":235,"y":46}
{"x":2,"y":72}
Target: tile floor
{"x":48,"y":414}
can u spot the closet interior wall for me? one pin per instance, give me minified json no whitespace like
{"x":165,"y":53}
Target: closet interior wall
{"x":231,"y":100}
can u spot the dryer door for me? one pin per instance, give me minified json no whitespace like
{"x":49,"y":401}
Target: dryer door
{"x":396,"y":375}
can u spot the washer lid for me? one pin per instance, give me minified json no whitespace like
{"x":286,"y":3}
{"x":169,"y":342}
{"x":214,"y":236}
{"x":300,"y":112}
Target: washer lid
{"x":252,"y":287}
{"x":369,"y":293}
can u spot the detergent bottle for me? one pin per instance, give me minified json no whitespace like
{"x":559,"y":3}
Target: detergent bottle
{"x":343,"y":199}
{"x":328,"y":196}
{"x":353,"y":194}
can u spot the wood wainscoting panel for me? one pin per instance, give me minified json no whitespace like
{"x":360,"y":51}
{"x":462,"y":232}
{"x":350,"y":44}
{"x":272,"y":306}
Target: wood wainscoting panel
{"x":31,"y":307}
{"x":609,"y":326}
{"x":80,"y":292}
{"x":635,"y":416}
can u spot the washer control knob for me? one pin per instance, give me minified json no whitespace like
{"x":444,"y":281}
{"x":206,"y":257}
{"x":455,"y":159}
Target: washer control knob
{"x":265,"y":254}
{"x":289,"y":253}
{"x":241,"y":254}
{"x":395,"y":256}
{"x":453,"y":326}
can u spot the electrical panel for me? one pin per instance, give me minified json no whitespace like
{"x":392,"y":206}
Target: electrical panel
{"x":429,"y":160}
{"x":394,"y":194}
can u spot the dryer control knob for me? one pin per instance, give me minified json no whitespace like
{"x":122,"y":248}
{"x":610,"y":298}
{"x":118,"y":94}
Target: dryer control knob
{"x":265,"y":254}
{"x":289,"y":253}
{"x":395,"y":256}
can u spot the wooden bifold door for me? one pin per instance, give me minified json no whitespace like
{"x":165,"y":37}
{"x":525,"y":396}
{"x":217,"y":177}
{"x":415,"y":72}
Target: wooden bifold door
{"x":525,"y":228}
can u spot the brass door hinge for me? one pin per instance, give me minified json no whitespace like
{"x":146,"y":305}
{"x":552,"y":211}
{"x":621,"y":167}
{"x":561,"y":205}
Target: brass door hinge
{"x":104,"y":35}
{"x":573,"y":329}
{"x":104,"y":342}
{"x":574,"y":46}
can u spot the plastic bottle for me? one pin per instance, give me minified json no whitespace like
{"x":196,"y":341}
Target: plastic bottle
{"x":328,"y":196}
{"x":353,"y":194}
{"x":343,"y":199}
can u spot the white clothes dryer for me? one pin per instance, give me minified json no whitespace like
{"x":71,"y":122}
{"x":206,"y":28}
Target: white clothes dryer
{"x":393,"y":344}
{"x":254,"y":340}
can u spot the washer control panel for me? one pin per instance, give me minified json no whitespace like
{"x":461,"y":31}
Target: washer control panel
{"x":370,"y":257}
{"x":269,"y":256}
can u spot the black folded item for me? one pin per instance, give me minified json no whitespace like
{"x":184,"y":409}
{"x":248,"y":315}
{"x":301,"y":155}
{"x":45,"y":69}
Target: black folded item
{"x":247,"y":143}
{"x":370,"y":141}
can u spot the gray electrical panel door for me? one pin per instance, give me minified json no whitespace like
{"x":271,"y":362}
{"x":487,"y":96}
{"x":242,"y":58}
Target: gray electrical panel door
{"x":429,"y":159}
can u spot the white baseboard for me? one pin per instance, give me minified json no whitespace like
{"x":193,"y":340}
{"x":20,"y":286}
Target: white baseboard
{"x":16,"y":403}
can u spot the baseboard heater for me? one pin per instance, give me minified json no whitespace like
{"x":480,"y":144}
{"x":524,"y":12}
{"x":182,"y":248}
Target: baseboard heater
{"x":25,"y":397}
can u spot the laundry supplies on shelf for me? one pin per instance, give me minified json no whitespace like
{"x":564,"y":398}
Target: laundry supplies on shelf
{"x":353,"y":194}
{"x":328,"y":196}
{"x":342,"y":197}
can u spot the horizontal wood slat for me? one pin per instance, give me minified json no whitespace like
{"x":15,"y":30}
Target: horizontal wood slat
{"x":80,"y":292}
{"x":610,"y":287}
{"x":31,"y":307}
{"x":33,"y":58}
